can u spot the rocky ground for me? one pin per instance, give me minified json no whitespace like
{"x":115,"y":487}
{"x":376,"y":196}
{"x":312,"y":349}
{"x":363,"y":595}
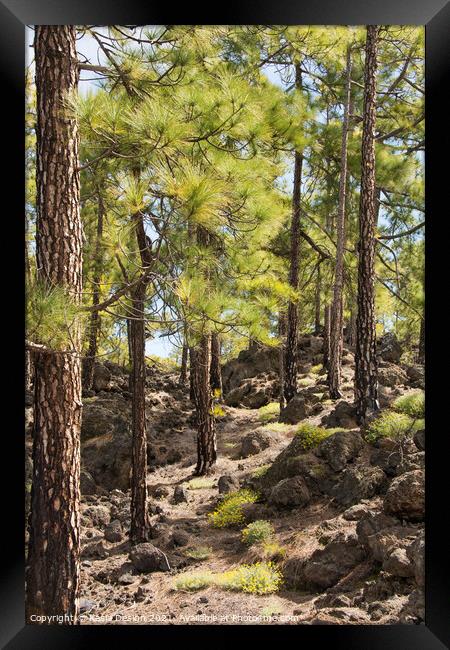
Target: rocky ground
{"x":348,"y":514}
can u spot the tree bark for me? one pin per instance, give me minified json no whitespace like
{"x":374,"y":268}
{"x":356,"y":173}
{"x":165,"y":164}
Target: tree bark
{"x":192,"y":373}
{"x":184,"y":360}
{"x":366,"y":382}
{"x":326,"y":336}
{"x":421,"y":355}
{"x":282,"y":335}
{"x":52,"y":573}
{"x":216,"y":371}
{"x":290,"y":358}
{"x":317,"y":305}
{"x":94,"y":321}
{"x":336,"y":314}
{"x":140,"y":527}
{"x":206,"y":432}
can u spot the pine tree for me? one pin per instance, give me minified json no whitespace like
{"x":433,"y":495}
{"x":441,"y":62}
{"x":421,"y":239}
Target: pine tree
{"x":52,"y":573}
{"x":366,"y":381}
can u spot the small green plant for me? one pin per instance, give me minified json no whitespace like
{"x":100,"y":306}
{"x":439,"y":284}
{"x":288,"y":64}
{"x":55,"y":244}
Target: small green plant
{"x":269,"y":412}
{"x":412,"y":404}
{"x":278,"y":427}
{"x":258,"y":531}
{"x":194,"y":581}
{"x":259,"y":578}
{"x":260,"y":471}
{"x":391,"y":424}
{"x":304,"y":382}
{"x":311,"y":435}
{"x":272,"y":551}
{"x":229,"y":511}
{"x":272,"y":609}
{"x":316,"y":369}
{"x":201,"y":483}
{"x":199,"y":552}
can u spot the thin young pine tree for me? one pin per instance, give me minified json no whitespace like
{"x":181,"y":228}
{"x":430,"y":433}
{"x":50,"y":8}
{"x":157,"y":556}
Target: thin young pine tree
{"x":336,"y":314}
{"x":290,"y":357}
{"x":366,"y":380}
{"x":52,"y":573}
{"x":216,"y":371}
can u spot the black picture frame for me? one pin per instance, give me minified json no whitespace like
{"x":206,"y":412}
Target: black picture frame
{"x":435,"y":16}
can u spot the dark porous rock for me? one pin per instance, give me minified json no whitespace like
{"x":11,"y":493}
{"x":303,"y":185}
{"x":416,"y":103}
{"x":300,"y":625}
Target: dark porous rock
{"x":343,"y":415}
{"x":290,"y":492}
{"x":340,"y":448}
{"x":159,"y":491}
{"x":227,"y":484}
{"x":97,"y":515}
{"x":359,"y":483}
{"x":341,"y":616}
{"x":327,"y":566}
{"x":253,"y":443}
{"x":296,"y":410}
{"x":180,"y":538}
{"x":146,"y":558}
{"x":314,"y":470}
{"x":405,"y":497}
{"x":416,"y":375}
{"x":95,"y":550}
{"x":356,"y":512}
{"x":416,"y":553}
{"x":87,"y":484}
{"x":412,"y":462}
{"x":389,"y":349}
{"x":419,"y":439}
{"x":174,"y":456}
{"x":284,"y":465}
{"x":413,"y":612}
{"x":381,"y":534}
{"x":102,"y":377}
{"x":332,"y":600}
{"x":113,"y":531}
{"x":249,"y":363}
{"x":397,"y":563}
{"x":391,"y":375}
{"x":180,"y":494}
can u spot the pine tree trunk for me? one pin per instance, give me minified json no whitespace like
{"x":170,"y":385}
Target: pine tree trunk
{"x":366,"y":382}
{"x":336,"y":314}
{"x":326,"y":336}
{"x":290,"y":359}
{"x":52,"y":574}
{"x":206,"y":434}
{"x":184,"y":360}
{"x":317,"y":305}
{"x":192,"y":373}
{"x":140,"y":528}
{"x":421,"y":355}
{"x":282,"y":335}
{"x":216,"y":371}
{"x":94,"y":321}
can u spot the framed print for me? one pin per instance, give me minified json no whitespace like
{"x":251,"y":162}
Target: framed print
{"x":227,"y":350}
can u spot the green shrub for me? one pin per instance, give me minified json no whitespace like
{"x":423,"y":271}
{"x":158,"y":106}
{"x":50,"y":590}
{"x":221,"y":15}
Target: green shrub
{"x":278,"y":427}
{"x":316,"y":369}
{"x":260,"y":471}
{"x":258,"y":531}
{"x":391,"y":424}
{"x":269,"y":412}
{"x":311,"y":435}
{"x":194,"y":581}
{"x":304,"y":382}
{"x":273,"y":609}
{"x":272,"y":551}
{"x":198,"y":553}
{"x":260,"y":578}
{"x":229,"y":511}
{"x":201,"y":483}
{"x":412,"y":404}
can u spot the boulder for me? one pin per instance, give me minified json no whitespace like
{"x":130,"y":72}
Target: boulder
{"x":389,"y":349}
{"x":289,"y":493}
{"x":405,"y":497}
{"x":327,"y":566}
{"x":102,"y":377}
{"x":286,"y":464}
{"x":295,"y":411}
{"x":391,"y":375}
{"x":419,"y":439}
{"x":227,"y":484}
{"x":96,"y":515}
{"x":416,"y":375}
{"x":343,"y":415}
{"x":249,"y":363}
{"x":416,"y":553}
{"x":340,"y":616}
{"x":113,"y":531}
{"x":397,"y":563}
{"x":340,"y":448}
{"x":359,"y":483}
{"x":381,"y":534}
{"x":180,"y":494}
{"x":146,"y":558}
{"x":253,"y":443}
